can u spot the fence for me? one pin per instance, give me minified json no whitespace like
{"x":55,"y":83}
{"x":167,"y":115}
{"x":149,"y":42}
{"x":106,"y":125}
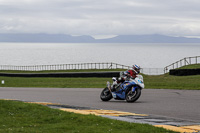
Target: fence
{"x":152,"y":71}
{"x":65,"y":67}
{"x":148,"y":71}
{"x":183,"y":62}
{"x":108,"y":65}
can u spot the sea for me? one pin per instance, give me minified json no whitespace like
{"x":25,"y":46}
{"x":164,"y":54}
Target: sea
{"x":146,"y":55}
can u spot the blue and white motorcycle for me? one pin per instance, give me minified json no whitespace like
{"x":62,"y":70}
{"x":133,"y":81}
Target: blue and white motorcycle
{"x":129,"y":90}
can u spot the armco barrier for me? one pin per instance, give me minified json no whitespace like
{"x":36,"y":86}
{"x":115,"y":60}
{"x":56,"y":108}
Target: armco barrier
{"x":184,"y":72}
{"x":77,"y":74}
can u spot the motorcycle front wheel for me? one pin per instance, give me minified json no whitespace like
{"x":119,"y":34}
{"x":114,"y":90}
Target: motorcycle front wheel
{"x":106,"y":94}
{"x":133,"y":96}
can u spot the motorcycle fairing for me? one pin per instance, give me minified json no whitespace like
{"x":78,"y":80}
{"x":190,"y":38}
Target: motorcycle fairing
{"x":121,"y":94}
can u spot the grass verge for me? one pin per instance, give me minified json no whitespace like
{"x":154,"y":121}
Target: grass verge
{"x":25,"y":117}
{"x":157,"y":82}
{"x":193,"y":66}
{"x":167,"y":81}
{"x":54,"y":82}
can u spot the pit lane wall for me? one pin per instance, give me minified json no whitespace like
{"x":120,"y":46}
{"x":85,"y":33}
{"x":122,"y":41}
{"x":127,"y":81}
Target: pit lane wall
{"x":71,"y":74}
{"x":184,"y":72}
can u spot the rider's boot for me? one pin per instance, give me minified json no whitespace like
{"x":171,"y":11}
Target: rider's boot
{"x":113,"y":88}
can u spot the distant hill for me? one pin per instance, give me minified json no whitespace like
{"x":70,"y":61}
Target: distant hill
{"x":54,"y":38}
{"x":150,"y":39}
{"x":62,"y":38}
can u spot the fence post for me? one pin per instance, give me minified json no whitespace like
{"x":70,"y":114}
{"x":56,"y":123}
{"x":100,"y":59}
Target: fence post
{"x":180,"y":63}
{"x":196,"y":59}
{"x":110,"y":67}
{"x":185,"y":61}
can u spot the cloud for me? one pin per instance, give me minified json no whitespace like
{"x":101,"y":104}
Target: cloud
{"x":94,"y":17}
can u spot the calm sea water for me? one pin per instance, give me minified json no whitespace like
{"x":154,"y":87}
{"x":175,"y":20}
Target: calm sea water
{"x":145,"y":55}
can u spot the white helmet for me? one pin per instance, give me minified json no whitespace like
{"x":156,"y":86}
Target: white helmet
{"x":136,"y":68}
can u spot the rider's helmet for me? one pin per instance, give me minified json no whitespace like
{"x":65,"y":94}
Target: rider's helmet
{"x":136,"y":68}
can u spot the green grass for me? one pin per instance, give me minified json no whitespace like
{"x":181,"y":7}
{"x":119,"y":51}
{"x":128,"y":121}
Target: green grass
{"x":194,"y":66}
{"x":156,"y":82}
{"x":167,"y":81}
{"x":54,"y":82}
{"x":32,"y":118}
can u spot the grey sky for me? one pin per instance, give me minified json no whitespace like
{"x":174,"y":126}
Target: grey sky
{"x":101,"y":17}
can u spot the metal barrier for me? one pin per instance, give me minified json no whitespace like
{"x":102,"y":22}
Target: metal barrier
{"x":65,"y":67}
{"x":70,"y":74}
{"x":148,"y":71}
{"x":183,"y":62}
{"x":108,"y":65}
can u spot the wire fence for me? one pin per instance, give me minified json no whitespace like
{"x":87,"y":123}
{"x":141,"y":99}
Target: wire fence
{"x":152,"y":71}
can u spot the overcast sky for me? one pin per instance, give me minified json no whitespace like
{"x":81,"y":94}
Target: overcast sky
{"x":101,"y":17}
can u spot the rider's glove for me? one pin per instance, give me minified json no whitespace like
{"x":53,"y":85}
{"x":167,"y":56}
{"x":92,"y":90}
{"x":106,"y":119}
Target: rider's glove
{"x":114,"y":79}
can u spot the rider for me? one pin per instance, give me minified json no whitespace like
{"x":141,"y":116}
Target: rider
{"x":131,"y":73}
{"x":127,"y":75}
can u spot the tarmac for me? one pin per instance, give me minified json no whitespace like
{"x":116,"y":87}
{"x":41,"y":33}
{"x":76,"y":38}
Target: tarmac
{"x":176,"y":110}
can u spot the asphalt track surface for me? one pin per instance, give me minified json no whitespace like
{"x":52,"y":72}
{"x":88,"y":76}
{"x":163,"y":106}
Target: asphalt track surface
{"x":178,"y":104}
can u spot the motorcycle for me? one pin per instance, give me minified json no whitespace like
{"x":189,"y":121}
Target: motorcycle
{"x":129,"y":90}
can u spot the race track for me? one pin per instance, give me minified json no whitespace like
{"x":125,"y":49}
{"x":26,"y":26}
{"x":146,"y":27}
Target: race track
{"x":178,"y":104}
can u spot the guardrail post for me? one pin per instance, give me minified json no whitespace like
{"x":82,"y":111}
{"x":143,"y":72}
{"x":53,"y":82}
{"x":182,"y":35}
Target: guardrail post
{"x":196,"y":59}
{"x":180,"y":63}
{"x":110,"y":67}
{"x":185,"y":61}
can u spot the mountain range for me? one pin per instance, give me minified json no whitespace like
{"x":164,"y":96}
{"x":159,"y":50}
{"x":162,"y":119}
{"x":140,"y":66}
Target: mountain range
{"x":63,"y":38}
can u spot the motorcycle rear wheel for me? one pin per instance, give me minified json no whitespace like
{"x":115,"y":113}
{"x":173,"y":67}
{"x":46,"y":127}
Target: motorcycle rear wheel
{"x":106,"y":94}
{"x":133,"y":96}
